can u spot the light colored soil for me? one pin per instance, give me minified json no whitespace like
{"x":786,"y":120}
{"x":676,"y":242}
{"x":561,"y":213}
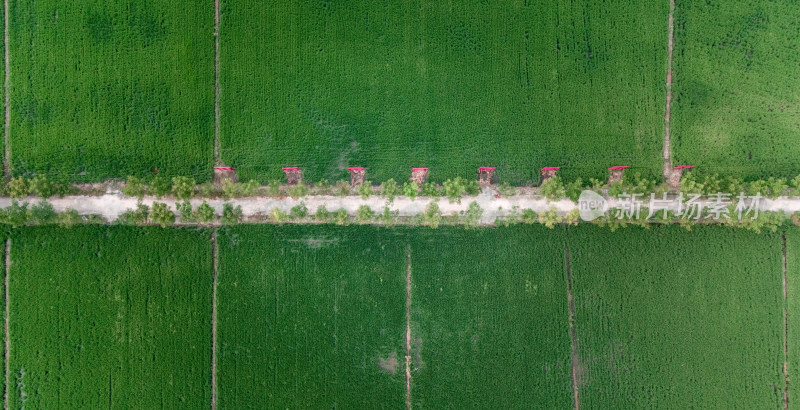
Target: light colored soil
{"x":785,"y":329}
{"x":216,"y":82}
{"x":577,"y":369}
{"x":7,"y":97}
{"x":408,"y":326}
{"x":670,"y":48}
{"x":389,"y":364}
{"x":111,"y":205}
{"x":214,"y":321}
{"x":7,"y":340}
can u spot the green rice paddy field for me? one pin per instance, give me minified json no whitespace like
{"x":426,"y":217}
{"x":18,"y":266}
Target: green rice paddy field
{"x":315,"y":316}
{"x":110,"y":318}
{"x":106,"y":89}
{"x":450,"y":85}
{"x":737,"y":109}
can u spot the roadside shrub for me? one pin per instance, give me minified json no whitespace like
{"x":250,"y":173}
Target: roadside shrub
{"x":134,"y":187}
{"x":183,"y":187}
{"x":322,"y":214}
{"x":230,"y":189}
{"x":277,"y":216}
{"x":42,"y":213}
{"x":208,"y":190}
{"x":430,"y":190}
{"x":323,"y":187}
{"x":550,"y":218}
{"x":231,"y":214}
{"x":68,"y":218}
{"x":205,"y":213}
{"x":250,"y":187}
{"x":411,"y":189}
{"x":529,"y":216}
{"x":776,"y":187}
{"x":389,"y":190}
{"x":299,"y":211}
{"x":733,"y":186}
{"x":552,"y":188}
{"x":159,"y":186}
{"x":365,"y":189}
{"x":341,"y":218}
{"x":15,"y":215}
{"x":62,"y":186}
{"x":18,"y":187}
{"x":454,"y":189}
{"x":388,"y":217}
{"x":42,"y":187}
{"x":573,"y":216}
{"x":795,"y":185}
{"x":573,"y":190}
{"x":162,"y":215}
{"x":432,"y":216}
{"x":712,"y":184}
{"x":758,"y":187}
{"x":185,"y":211}
{"x":274,"y":187}
{"x":597,"y":185}
{"x":690,"y":185}
{"x":136,"y":216}
{"x":342,"y":188}
{"x":364,"y":214}
{"x":472,"y":187}
{"x":513,"y":217}
{"x":298,"y":191}
{"x":505,"y":189}
{"x":473,"y":214}
{"x":616,"y":189}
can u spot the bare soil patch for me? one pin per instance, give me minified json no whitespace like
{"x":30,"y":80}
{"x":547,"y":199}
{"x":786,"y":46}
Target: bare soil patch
{"x":670,"y":48}
{"x":389,"y":364}
{"x":214,"y":259}
{"x":578,"y":370}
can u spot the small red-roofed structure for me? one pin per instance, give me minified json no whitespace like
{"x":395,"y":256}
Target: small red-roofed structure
{"x":676,"y":175}
{"x":419,"y":175}
{"x":615,"y":173}
{"x":486,"y":176}
{"x":548,"y":172}
{"x":293,"y":175}
{"x":222,"y":173}
{"x":357,"y":176}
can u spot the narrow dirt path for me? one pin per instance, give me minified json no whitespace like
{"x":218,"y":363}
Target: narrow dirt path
{"x":216,"y":82}
{"x":6,"y":339}
{"x":573,"y":334}
{"x":670,"y":46}
{"x":214,"y":258}
{"x":408,"y":327}
{"x":785,"y":330}
{"x":7,"y":97}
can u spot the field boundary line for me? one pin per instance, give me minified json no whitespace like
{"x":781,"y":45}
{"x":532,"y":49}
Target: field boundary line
{"x":6,"y":339}
{"x":408,"y":326}
{"x":216,"y":82}
{"x":214,"y":257}
{"x":6,"y":96}
{"x":785,"y":328}
{"x":667,"y":113}
{"x":572,"y":333}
